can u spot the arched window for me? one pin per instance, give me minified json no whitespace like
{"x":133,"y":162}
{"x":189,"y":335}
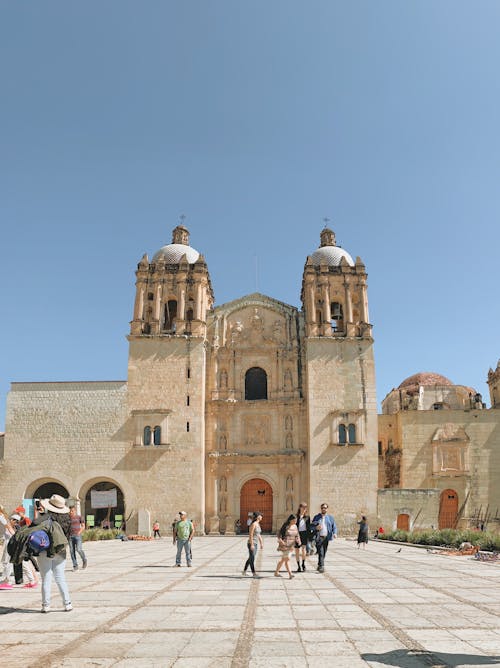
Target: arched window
{"x":351,"y":430}
{"x":157,"y":436}
{"x":255,"y":384}
{"x":342,"y":434}
{"x":146,"y":439}
{"x":189,"y":314}
{"x":170,"y":315}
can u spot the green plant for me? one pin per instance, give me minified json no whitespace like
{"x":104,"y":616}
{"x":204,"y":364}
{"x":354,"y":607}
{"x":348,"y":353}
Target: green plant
{"x":446,"y":537}
{"x":100,"y":534}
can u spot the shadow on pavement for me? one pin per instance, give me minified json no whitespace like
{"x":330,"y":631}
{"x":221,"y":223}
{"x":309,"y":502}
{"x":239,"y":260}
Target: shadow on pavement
{"x":404,"y":658}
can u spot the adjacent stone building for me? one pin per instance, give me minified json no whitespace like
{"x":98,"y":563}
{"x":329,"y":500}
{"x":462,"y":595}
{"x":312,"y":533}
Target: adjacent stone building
{"x":439,"y":455}
{"x":253,"y":404}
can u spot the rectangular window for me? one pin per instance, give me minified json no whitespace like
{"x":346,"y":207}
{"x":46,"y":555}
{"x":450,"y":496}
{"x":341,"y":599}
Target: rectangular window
{"x":379,"y":448}
{"x":187,"y":426}
{"x":187,"y":400}
{"x":188,"y":372}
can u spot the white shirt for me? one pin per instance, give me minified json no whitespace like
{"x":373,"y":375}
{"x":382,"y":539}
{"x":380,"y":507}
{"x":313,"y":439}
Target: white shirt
{"x":302,"y":524}
{"x":323,"y":531}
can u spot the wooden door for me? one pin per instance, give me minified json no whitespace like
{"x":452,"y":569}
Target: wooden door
{"x":257,"y":495}
{"x":403,"y":522}
{"x":448,"y":509}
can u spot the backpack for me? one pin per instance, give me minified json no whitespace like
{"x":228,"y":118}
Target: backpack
{"x":38,"y":541}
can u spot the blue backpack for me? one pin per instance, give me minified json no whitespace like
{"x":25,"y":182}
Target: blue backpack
{"x":38,"y":542}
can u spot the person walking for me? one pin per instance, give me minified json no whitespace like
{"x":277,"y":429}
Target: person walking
{"x":288,"y":538}
{"x":75,"y":539}
{"x":53,"y":562}
{"x":183,"y":534}
{"x":363,"y":532}
{"x":304,"y":527}
{"x":326,"y":530}
{"x":156,"y":529}
{"x":7,"y":528}
{"x":253,"y":543}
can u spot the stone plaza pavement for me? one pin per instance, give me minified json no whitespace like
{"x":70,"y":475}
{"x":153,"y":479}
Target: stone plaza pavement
{"x":383,"y":606}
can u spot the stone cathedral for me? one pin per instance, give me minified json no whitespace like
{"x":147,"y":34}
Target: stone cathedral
{"x":249,"y":405}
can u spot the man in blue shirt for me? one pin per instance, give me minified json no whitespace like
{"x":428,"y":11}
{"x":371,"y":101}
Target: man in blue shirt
{"x":326,"y":529}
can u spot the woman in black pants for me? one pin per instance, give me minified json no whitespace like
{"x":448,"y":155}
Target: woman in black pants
{"x":253,"y":543}
{"x":304,"y":527}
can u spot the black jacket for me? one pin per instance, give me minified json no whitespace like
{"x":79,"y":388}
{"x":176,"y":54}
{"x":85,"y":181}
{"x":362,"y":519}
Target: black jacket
{"x":18,"y":546}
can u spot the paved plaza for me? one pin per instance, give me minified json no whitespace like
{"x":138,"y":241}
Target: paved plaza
{"x":378,"y":607}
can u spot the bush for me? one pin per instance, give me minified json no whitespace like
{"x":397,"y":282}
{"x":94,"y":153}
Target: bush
{"x":100,"y":534}
{"x":446,"y":538}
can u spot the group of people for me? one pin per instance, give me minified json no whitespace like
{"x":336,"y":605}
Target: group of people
{"x":298,"y":535}
{"x":39,"y":546}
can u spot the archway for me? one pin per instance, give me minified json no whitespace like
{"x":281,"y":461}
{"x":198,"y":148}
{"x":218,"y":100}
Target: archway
{"x":403,"y":522}
{"x":104,"y":505}
{"x":448,"y":509}
{"x":257,"y":494}
{"x":46,"y":489}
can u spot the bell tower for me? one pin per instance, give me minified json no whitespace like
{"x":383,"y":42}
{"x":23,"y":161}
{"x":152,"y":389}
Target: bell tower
{"x":173,"y":292}
{"x":340,"y":382}
{"x":494,"y":385}
{"x":167,"y":374}
{"x":334,"y":292}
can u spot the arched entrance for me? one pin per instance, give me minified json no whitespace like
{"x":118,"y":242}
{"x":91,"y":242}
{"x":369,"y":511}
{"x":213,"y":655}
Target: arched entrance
{"x":46,"y":490}
{"x":403,"y":522}
{"x":257,"y":494}
{"x":448,"y":509}
{"x":104,"y":506}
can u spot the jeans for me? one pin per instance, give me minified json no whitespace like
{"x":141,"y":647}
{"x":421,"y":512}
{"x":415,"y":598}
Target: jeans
{"x":251,"y":557}
{"x":6,"y":564}
{"x":75,"y":545}
{"x":55,"y":566}
{"x":322,"y":547}
{"x":183,"y":543}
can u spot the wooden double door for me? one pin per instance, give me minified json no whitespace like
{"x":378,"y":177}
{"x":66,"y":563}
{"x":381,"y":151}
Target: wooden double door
{"x":257,"y":495}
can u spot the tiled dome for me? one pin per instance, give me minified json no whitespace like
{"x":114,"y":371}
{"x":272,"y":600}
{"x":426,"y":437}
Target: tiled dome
{"x":425,"y":378}
{"x":331,"y":255}
{"x":172,"y":254}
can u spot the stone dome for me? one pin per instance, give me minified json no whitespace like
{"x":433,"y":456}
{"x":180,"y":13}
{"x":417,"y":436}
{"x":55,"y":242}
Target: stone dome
{"x":426,"y":378}
{"x":329,"y":253}
{"x":172,"y":253}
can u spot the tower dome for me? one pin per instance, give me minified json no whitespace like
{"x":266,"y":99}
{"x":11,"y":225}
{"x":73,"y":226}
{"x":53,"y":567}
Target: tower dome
{"x":173,"y":253}
{"x":426,"y":379}
{"x":329,"y":253}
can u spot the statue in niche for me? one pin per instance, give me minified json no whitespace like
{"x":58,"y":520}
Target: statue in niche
{"x":256,"y":321}
{"x":223,"y":505}
{"x":223,"y":485}
{"x":236,"y":331}
{"x":223,"y":442}
{"x":223,"y":379}
{"x":278,"y":331}
{"x":288,"y":423}
{"x":289,"y":502}
{"x":289,"y":441}
{"x":289,"y":483}
{"x":288,"y":380}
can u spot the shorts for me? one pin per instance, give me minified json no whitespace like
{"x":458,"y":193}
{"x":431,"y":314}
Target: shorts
{"x":303,"y":537}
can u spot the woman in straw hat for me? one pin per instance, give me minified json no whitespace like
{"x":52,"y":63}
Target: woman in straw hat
{"x":56,"y":509}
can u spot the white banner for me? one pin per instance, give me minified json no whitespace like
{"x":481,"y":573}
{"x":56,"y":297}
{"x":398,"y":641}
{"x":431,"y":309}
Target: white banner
{"x":105,"y":499}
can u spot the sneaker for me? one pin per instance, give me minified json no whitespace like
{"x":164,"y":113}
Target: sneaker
{"x":257,"y":577}
{"x":68,"y":607}
{"x":45,"y":608}
{"x":6,"y":585}
{"x":244,"y":573}
{"x":84,"y":565}
{"x":321,"y":570}
{"x":30,"y":585}
{"x":75,"y":568}
{"x":189,"y":565}
{"x":178,"y":565}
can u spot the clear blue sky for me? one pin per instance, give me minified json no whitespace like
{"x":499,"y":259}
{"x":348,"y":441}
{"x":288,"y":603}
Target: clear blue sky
{"x":256,"y":120}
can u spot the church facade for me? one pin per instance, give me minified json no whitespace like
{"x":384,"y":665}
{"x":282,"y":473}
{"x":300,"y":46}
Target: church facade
{"x":249,"y":405}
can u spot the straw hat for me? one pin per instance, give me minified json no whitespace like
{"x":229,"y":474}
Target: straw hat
{"x":56,"y":504}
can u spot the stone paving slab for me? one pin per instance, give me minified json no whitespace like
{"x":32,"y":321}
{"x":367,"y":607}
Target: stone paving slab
{"x":375,"y":607}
